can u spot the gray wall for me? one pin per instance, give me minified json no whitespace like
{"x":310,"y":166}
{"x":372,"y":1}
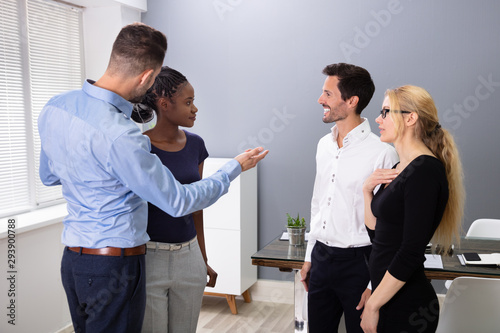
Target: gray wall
{"x":256,"y":69}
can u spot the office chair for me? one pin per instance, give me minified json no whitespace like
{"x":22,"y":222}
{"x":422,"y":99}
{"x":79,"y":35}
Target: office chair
{"x":484,"y":228}
{"x":481,"y":228}
{"x":471,"y":305}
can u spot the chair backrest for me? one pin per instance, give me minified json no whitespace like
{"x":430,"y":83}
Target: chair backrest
{"x":471,"y":305}
{"x":484,"y":228}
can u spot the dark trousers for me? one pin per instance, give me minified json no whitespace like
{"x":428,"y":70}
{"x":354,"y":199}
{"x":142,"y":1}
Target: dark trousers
{"x":105,"y":294}
{"x":414,"y":308}
{"x":338,"y":278}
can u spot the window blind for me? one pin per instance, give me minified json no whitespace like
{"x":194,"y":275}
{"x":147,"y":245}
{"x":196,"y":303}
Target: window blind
{"x":41,"y":56}
{"x":13,"y":146}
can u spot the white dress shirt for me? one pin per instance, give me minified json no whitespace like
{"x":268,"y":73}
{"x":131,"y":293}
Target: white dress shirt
{"x":337,"y":206}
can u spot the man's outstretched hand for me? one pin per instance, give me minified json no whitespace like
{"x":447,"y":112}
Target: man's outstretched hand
{"x":251,"y":157}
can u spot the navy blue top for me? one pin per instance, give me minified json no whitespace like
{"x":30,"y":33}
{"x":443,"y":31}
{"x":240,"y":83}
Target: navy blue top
{"x":184,"y":165}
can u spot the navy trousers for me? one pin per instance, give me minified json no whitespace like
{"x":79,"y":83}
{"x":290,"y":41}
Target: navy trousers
{"x":338,"y":278}
{"x":105,"y":294}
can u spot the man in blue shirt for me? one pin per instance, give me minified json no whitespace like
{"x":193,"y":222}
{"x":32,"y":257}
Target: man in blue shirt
{"x":92,"y":148}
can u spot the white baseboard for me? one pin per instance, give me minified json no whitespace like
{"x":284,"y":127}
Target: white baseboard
{"x":66,"y":329}
{"x":273,"y":291}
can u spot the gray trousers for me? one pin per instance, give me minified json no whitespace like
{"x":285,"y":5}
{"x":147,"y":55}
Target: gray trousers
{"x":175,"y":281}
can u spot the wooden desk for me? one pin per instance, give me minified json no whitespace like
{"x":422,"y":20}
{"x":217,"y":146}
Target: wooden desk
{"x":287,"y":258}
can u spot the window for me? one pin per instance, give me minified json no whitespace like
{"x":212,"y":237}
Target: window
{"x":41,"y":55}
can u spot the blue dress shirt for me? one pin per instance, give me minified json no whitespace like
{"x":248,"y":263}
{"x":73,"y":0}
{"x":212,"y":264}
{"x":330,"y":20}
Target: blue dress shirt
{"x":94,"y":150}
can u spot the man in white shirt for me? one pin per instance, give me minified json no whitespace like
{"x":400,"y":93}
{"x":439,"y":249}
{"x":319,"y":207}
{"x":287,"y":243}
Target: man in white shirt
{"x":335,"y":271}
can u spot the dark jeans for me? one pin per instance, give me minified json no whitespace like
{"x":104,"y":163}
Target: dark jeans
{"x":338,"y":278}
{"x":105,"y":294}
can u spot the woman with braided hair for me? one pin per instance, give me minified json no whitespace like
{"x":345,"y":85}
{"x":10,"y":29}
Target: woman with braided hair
{"x":419,"y":199}
{"x":176,"y":263}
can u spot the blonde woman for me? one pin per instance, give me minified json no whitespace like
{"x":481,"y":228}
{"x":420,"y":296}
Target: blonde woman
{"x":420,"y":198}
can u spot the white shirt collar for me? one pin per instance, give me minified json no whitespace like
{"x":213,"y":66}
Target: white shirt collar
{"x":358,"y":133}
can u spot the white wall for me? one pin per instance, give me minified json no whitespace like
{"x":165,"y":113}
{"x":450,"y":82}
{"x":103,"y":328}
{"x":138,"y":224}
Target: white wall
{"x":101,"y":25}
{"x":40,"y":301}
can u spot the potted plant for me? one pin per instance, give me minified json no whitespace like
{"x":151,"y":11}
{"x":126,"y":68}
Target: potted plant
{"x":296,"y":228}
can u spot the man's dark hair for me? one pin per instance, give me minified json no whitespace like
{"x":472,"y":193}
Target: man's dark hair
{"x":138,"y":47}
{"x":353,"y":81}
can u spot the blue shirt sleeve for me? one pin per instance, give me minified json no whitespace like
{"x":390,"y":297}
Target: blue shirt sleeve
{"x":46,"y":176}
{"x":131,"y":162}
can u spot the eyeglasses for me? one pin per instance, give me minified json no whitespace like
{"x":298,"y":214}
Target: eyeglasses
{"x":384,"y":112}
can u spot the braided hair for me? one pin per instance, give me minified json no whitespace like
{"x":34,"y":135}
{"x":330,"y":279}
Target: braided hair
{"x":167,"y":84}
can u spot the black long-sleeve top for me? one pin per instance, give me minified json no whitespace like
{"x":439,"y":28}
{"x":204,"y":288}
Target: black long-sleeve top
{"x":408,"y":211}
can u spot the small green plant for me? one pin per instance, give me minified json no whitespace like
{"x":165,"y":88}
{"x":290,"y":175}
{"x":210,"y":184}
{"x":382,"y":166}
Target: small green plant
{"x":295,"y":222}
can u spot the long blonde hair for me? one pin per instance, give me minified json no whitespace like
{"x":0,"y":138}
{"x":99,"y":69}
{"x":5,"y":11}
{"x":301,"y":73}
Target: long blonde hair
{"x":441,"y":143}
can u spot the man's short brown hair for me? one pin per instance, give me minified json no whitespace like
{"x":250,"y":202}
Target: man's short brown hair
{"x":138,"y":47}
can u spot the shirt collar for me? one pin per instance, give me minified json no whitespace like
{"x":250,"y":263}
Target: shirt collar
{"x":108,"y":96}
{"x":358,"y":133}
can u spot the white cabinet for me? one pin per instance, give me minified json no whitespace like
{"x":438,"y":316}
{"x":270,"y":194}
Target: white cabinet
{"x":231,"y":234}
